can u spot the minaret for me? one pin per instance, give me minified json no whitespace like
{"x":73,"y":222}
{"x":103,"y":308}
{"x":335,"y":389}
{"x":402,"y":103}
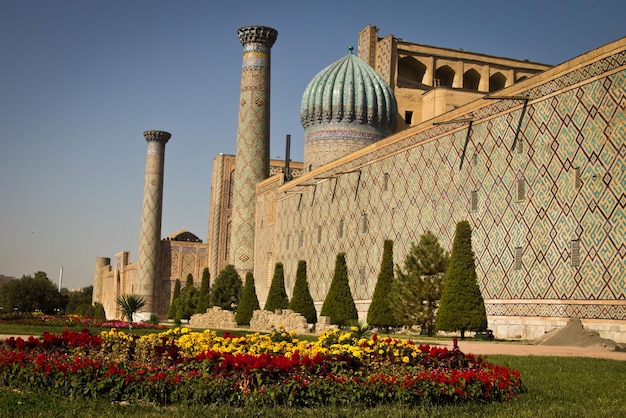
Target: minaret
{"x":101,"y":264}
{"x":148,"y":260}
{"x":253,"y":140}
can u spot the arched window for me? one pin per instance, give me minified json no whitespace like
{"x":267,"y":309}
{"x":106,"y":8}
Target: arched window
{"x":444,"y":76}
{"x":410,"y":72}
{"x":227,"y":244}
{"x":496,"y":82}
{"x":471,"y":79}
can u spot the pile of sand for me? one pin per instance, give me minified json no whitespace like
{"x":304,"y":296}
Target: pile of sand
{"x":574,"y":334}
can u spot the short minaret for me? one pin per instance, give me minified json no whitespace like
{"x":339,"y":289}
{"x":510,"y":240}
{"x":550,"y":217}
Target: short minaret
{"x":150,"y":234}
{"x":253,"y":140}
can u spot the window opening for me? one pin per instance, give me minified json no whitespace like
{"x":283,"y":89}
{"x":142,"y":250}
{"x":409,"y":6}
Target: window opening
{"x":408,"y":117}
{"x":474,"y":198}
{"x":575,"y":249}
{"x":521,"y":190}
{"x":578,"y":182}
{"x":517,"y":258}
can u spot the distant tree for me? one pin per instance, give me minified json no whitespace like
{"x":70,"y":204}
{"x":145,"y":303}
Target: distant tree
{"x":203,"y":293}
{"x":249,"y":302}
{"x":173,"y":310}
{"x":30,"y":294}
{"x":462,"y":306}
{"x":381,"y":312}
{"x":418,"y":286}
{"x":226,"y":290}
{"x":188,"y":299}
{"x":302,"y":301}
{"x":129,"y":305}
{"x":277,"y":295}
{"x":98,"y":311}
{"x":79,"y":302}
{"x":339,"y":304}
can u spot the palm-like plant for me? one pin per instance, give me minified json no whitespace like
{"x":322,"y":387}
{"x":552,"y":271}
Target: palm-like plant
{"x":129,"y":305}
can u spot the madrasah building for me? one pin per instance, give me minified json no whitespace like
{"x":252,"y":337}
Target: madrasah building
{"x":401,"y":139}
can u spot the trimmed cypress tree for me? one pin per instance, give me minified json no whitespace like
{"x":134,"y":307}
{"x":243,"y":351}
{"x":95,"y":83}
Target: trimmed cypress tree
{"x":249,"y":302}
{"x":462,"y":307}
{"x":339,"y":304}
{"x":226,"y":290}
{"x":203,"y":294}
{"x":302,"y":302}
{"x":171,"y":313}
{"x":381,"y":312}
{"x":188,"y":299}
{"x":277,"y":295}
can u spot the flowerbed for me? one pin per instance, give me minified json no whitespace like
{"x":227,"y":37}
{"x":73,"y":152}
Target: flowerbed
{"x":38,"y":319}
{"x":179,"y":366}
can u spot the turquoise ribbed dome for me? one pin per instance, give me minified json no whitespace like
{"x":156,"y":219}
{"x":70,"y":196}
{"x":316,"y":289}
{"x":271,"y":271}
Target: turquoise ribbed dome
{"x":350,"y":91}
{"x":347,"y":106}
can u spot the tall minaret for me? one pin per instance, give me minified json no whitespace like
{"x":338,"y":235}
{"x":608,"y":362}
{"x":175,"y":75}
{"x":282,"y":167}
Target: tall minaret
{"x":148,"y":259}
{"x":253,"y":140}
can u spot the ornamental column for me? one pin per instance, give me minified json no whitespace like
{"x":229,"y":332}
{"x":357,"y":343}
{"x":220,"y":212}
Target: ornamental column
{"x":253,"y":140}
{"x":148,"y":261}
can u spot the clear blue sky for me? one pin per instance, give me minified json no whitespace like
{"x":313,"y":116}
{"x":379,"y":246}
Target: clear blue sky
{"x":81,"y":80}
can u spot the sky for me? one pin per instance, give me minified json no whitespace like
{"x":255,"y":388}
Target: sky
{"x":80,"y":80}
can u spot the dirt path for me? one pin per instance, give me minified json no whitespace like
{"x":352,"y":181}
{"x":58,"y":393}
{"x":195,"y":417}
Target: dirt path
{"x":519,"y":349}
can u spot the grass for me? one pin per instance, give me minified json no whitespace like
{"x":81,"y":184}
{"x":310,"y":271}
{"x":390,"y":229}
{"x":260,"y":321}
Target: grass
{"x":556,"y":387}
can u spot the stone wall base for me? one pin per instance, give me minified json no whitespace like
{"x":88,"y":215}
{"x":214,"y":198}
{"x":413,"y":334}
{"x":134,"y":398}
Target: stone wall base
{"x":214,"y":318}
{"x":286,"y":319}
{"x":530,"y":328}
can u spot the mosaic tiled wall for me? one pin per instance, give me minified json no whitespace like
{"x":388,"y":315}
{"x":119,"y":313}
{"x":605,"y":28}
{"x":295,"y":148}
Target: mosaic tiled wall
{"x":549,"y":217}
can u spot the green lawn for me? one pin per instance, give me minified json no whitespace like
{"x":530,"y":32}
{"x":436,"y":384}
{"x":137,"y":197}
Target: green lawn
{"x":556,"y":387}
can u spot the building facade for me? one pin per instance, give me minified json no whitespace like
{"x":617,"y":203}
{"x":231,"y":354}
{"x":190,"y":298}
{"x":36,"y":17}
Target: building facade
{"x":537,"y":168}
{"x":534,"y":157}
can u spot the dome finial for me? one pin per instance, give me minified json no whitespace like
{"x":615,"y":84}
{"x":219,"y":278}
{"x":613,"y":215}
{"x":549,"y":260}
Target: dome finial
{"x":350,"y":48}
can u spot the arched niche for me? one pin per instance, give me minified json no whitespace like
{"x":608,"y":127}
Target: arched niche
{"x":471,"y":79}
{"x":444,"y":76}
{"x":410,"y":72}
{"x":497,"y":82}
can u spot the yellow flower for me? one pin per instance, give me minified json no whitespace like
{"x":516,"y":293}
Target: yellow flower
{"x":405,"y":359}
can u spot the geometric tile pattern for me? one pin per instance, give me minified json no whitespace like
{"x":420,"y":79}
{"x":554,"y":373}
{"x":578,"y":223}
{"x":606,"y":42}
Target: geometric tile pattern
{"x":151,"y":210}
{"x":570,"y":159}
{"x":252,"y":155}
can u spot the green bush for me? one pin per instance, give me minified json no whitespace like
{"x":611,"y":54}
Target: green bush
{"x":173,"y":310}
{"x":249,"y":302}
{"x":226,"y":290}
{"x":188,"y":299}
{"x":339,"y":304}
{"x":302,"y":301}
{"x":203,"y":294}
{"x":418,"y":284}
{"x":277,"y":296}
